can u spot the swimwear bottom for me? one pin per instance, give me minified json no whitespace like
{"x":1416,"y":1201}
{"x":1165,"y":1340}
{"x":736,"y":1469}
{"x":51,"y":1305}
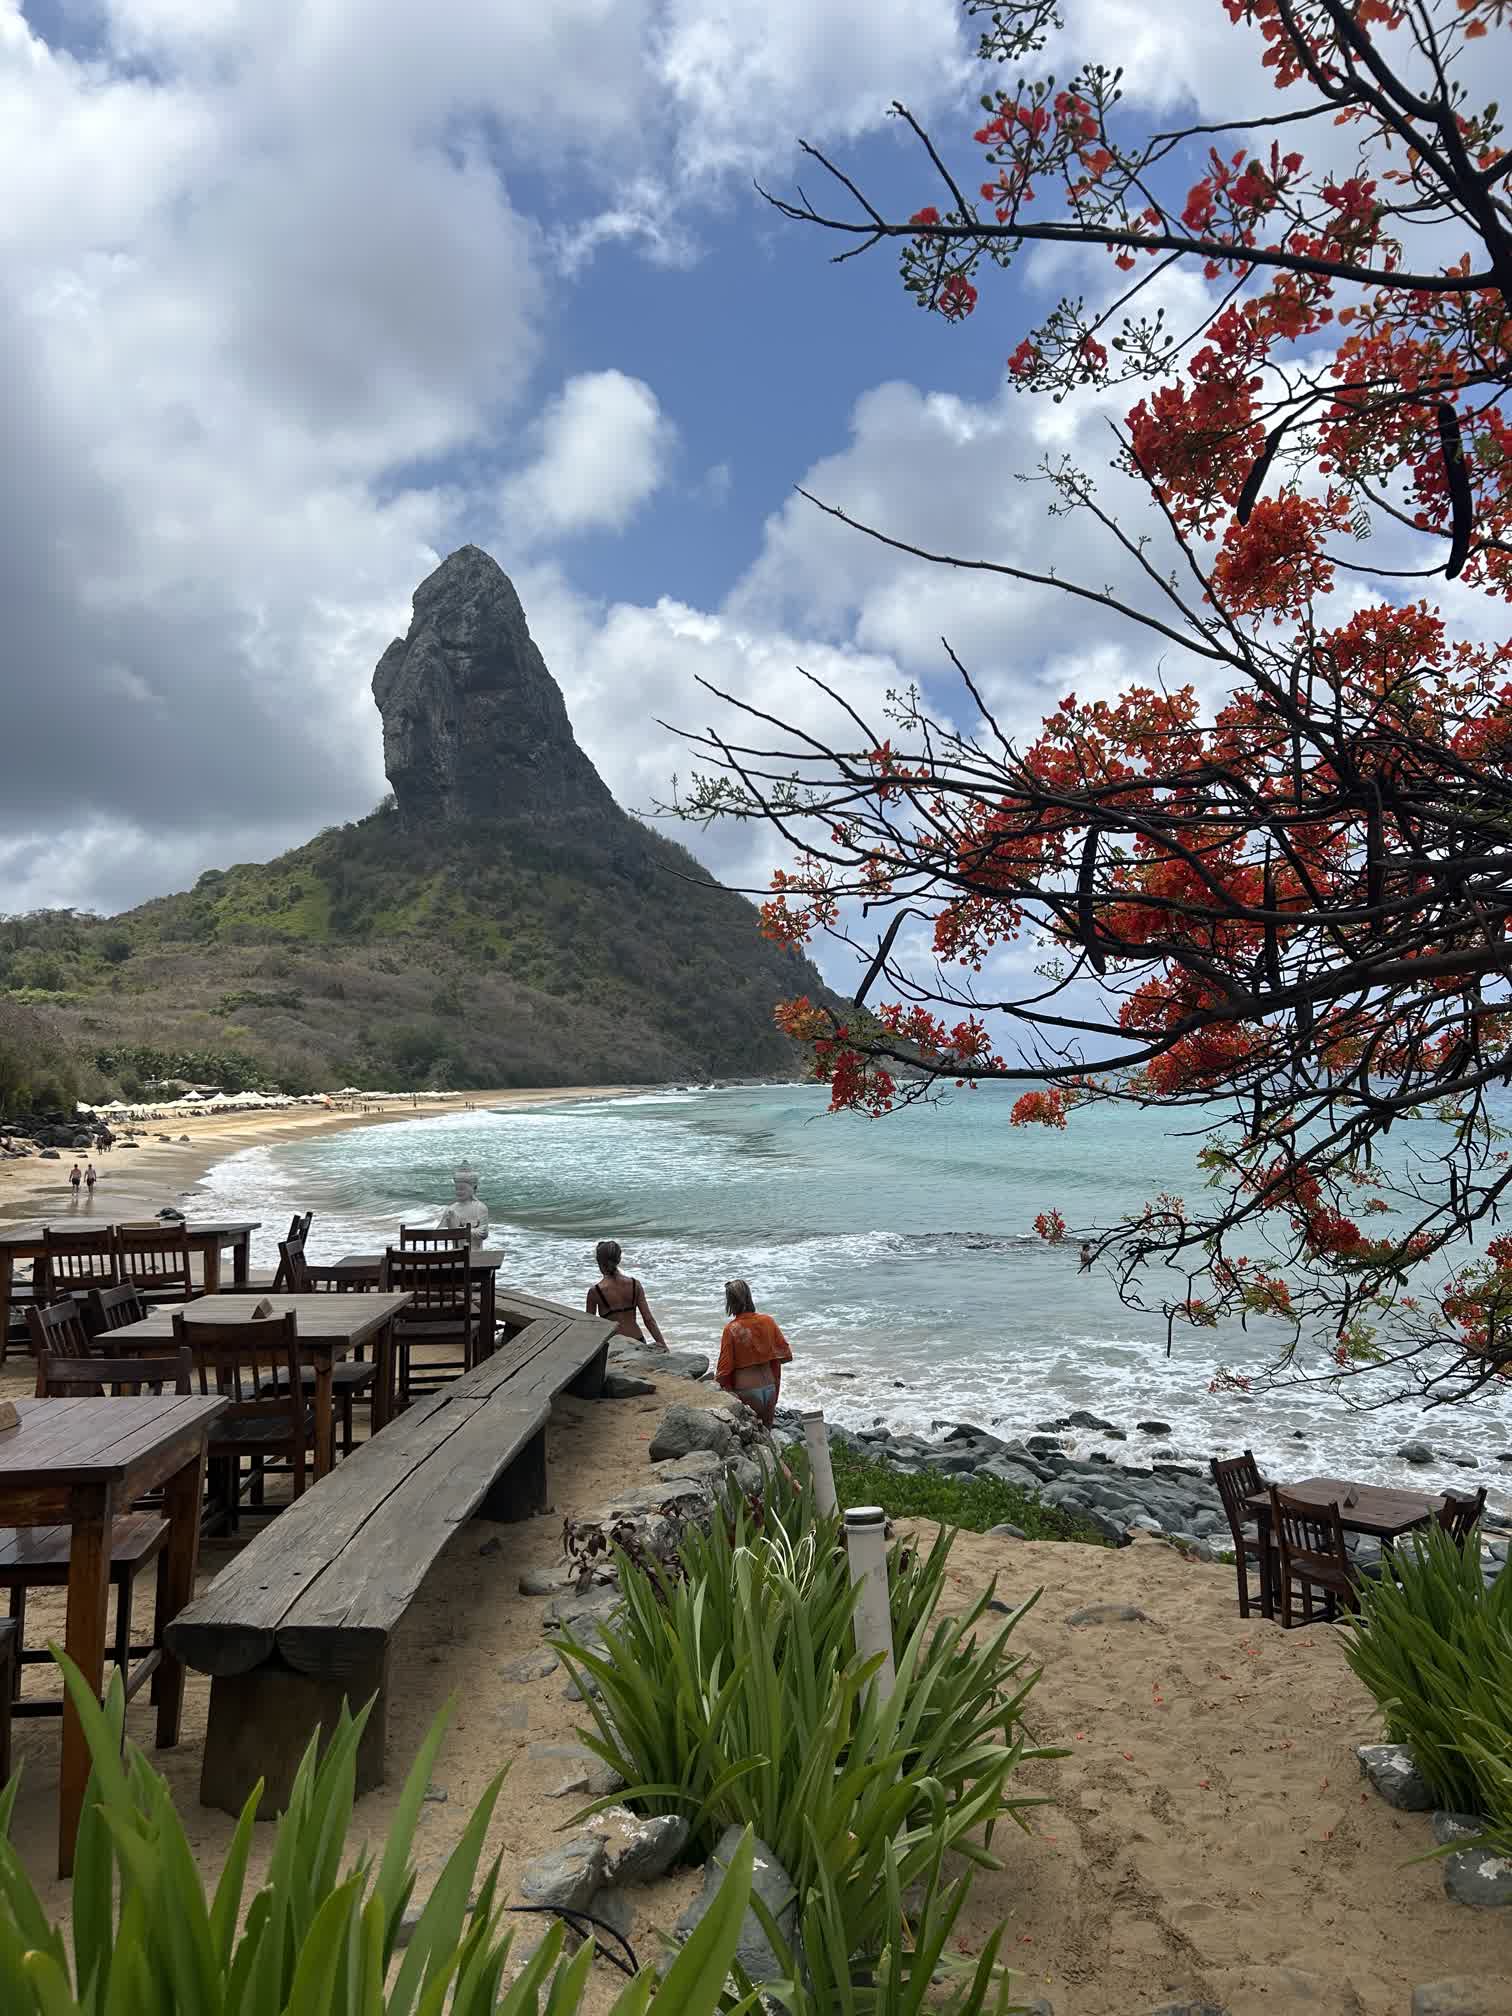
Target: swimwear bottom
{"x":760,"y":1399}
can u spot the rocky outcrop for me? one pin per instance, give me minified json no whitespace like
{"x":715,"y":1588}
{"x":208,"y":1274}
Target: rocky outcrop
{"x":474,"y":726}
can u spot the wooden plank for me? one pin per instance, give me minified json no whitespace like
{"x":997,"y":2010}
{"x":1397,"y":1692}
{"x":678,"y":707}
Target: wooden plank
{"x":230,"y":1628}
{"x":517,"y":1309}
{"x":338,"y":1626}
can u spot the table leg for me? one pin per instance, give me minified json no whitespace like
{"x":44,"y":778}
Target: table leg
{"x":210,"y":1261}
{"x":241,"y":1260}
{"x":1267,"y":1565}
{"x":490,"y":1314}
{"x":325,"y":1419}
{"x":84,"y":1641}
{"x":7,"y":1274}
{"x":183,"y":1495}
{"x":383,"y":1376}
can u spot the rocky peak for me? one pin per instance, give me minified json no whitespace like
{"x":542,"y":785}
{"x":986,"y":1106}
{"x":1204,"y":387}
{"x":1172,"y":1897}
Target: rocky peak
{"x":474,"y":726}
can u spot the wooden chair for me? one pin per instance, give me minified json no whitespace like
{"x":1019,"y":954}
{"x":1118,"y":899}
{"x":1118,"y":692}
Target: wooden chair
{"x":91,"y":1378}
{"x":351,"y":1377}
{"x":155,"y":1260}
{"x":256,"y":1365}
{"x":36,"y":1557}
{"x":1310,"y":1550}
{"x":434,"y":1238}
{"x":58,"y":1328}
{"x":441,"y":1312}
{"x":1459,"y":1517}
{"x":77,"y":1261}
{"x":112,"y":1309}
{"x":265,"y":1279}
{"x":1237,"y":1477}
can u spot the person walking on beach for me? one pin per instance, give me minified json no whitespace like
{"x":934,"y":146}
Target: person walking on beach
{"x":752,"y":1353}
{"x":90,"y":1179}
{"x":75,"y":1178}
{"x":620,"y":1298}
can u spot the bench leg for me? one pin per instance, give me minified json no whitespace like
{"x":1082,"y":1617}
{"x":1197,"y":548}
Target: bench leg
{"x":521,"y":1491}
{"x":589,"y":1383}
{"x":261,"y":1722}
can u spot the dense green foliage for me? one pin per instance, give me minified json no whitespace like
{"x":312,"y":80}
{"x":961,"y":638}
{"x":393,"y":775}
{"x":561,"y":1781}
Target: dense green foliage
{"x":503,"y":954}
{"x":1434,"y":1646}
{"x":731,"y":1690}
{"x":37,"y":1071}
{"x":973,"y":1503}
{"x":319,"y":1938}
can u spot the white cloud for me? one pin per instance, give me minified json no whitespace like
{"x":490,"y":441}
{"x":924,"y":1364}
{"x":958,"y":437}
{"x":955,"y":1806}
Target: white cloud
{"x":604,"y":448}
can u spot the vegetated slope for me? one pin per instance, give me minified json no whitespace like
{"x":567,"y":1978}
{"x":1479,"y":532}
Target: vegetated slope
{"x":379,"y":954}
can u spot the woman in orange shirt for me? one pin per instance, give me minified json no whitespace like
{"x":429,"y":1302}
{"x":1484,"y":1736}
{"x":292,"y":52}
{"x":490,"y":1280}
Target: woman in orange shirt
{"x":752,"y":1353}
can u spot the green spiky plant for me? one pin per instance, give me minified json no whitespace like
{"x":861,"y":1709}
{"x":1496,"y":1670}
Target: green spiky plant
{"x":320,"y":1936}
{"x":1433,"y":1644}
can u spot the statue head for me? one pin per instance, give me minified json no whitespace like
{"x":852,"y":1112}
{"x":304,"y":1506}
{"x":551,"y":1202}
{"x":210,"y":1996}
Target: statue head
{"x":466,"y":1183}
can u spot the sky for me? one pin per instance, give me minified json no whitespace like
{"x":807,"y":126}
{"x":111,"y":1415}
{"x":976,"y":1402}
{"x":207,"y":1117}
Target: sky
{"x":296,"y":296}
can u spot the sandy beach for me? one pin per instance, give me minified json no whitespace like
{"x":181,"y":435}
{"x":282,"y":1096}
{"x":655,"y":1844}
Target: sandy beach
{"x":138,"y":1180}
{"x":1210,"y":1835}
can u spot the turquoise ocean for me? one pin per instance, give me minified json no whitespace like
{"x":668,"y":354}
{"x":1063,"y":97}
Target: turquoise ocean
{"x":899,"y":1257}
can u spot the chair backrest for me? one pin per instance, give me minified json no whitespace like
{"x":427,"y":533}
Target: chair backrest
{"x":292,"y":1276}
{"x":112,"y":1309}
{"x":57,"y":1328}
{"x":434,"y":1238}
{"x":1308,"y":1535}
{"x":253,"y":1363}
{"x":299,"y":1226}
{"x":440,"y":1282}
{"x":60,"y":1378}
{"x":1237,"y":1477}
{"x":1459,"y":1517}
{"x":79,"y":1261}
{"x":154,"y":1256}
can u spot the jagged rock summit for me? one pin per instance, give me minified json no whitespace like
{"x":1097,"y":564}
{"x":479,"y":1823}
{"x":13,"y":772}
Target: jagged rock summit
{"x":474,"y":726}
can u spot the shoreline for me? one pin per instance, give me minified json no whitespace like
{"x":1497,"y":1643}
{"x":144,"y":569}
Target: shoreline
{"x":159,"y":1172}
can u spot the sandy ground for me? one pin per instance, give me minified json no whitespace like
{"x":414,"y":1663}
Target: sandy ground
{"x":134,"y":1180}
{"x":1210,"y":1836}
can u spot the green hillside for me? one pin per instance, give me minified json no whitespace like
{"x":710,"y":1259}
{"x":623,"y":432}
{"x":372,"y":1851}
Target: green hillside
{"x":379,"y":955}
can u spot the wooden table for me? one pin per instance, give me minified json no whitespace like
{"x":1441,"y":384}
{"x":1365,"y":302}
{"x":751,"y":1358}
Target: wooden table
{"x":1379,"y":1510}
{"x":209,"y":1238}
{"x":329,"y":1326}
{"x":363,"y":1270}
{"x":78,"y":1463}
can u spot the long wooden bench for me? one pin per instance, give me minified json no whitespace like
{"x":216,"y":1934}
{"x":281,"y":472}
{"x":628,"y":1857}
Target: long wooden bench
{"x":304,"y":1617}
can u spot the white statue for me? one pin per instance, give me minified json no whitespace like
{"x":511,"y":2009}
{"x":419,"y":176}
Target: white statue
{"x":467,"y":1213}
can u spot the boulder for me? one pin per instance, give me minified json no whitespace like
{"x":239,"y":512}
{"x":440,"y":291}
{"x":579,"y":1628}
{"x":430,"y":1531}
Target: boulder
{"x":568,"y":1876}
{"x":611,"y":1908}
{"x":1474,"y":1876}
{"x":771,"y":1883}
{"x":1006,"y":1532}
{"x":684,"y":1429}
{"x":1002,"y":1471}
{"x":1153,"y":1427}
{"x":624,"y":1386}
{"x":1392,"y":1770}
{"x":662,"y":1364}
{"x":1459,"y":1997}
{"x":1094,"y":1422}
{"x":647,"y":1849}
{"x":1109,"y":1613}
{"x":1415,"y":1452}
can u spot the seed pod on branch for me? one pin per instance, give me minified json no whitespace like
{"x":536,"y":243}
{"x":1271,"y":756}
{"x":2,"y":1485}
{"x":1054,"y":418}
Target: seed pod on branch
{"x":1458,"y":479}
{"x":1250,"y":494}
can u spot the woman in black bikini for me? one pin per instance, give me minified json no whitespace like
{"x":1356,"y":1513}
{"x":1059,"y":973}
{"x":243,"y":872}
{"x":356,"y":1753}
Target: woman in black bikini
{"x":619,"y":1297}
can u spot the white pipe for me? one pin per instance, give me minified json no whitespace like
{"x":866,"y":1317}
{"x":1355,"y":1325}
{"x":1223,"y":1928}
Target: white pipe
{"x":816,"y":1435}
{"x":866,"y":1542}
